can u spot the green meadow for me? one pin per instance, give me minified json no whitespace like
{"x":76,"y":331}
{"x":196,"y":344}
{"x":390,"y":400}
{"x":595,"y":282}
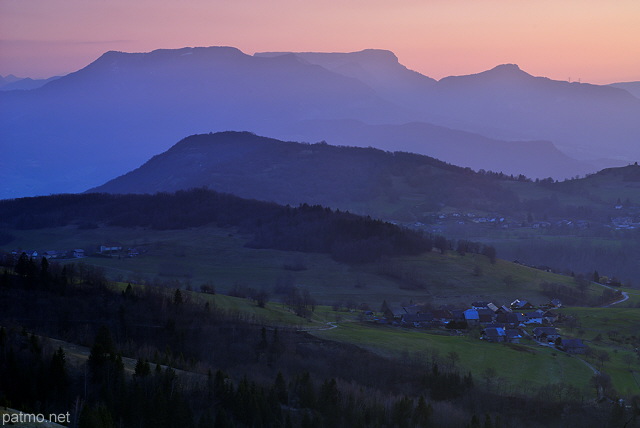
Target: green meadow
{"x":616,"y":331}
{"x":525,"y":367}
{"x":218,"y":257}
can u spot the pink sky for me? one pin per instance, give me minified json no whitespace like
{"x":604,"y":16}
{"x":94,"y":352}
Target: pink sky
{"x":597,"y":41}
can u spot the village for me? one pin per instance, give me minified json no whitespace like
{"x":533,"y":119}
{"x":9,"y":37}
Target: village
{"x":105,"y":250}
{"x":511,"y":323}
{"x":625,"y":218}
{"x":496,"y":324}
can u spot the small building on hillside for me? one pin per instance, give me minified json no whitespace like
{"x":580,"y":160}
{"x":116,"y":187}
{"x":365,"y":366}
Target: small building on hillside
{"x":32,"y":254}
{"x":443,"y":316}
{"x":549,"y":317}
{"x":50,"y":254}
{"x":573,"y":346}
{"x":110,"y":248}
{"x":493,"y":307}
{"x":485,"y":316}
{"x":521,"y":304}
{"x":512,"y":335}
{"x":418,"y":320}
{"x":535,"y":317}
{"x":549,"y":334}
{"x":471,"y":316}
{"x":494,"y":334}
{"x":503,"y":310}
{"x":513,"y":318}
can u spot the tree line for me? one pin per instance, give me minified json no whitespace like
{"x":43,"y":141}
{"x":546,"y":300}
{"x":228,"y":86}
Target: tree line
{"x":308,"y":228}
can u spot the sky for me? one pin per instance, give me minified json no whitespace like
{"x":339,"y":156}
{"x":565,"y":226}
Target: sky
{"x":595,"y":41}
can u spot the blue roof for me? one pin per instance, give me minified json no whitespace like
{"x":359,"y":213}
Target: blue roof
{"x":471,"y":314}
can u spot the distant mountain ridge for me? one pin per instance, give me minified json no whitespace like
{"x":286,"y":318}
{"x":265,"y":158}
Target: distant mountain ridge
{"x":123,"y":108}
{"x":11,"y":82}
{"x":632,"y":87}
{"x":509,"y":104}
{"x":392,"y":185}
{"x":285,"y":172}
{"x":109,"y":117}
{"x":531,"y":158}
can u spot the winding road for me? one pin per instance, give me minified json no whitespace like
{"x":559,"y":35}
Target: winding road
{"x":625,"y":295}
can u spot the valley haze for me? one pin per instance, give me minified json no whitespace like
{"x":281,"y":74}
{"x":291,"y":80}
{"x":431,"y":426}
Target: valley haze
{"x":82,"y":129}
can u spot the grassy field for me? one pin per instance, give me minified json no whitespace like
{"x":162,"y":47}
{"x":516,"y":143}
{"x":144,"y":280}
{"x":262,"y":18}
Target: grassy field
{"x":616,"y":325}
{"x":634,"y":297}
{"x":525,"y":368}
{"x":217,"y":256}
{"x":273,"y":313}
{"x":615,"y":331}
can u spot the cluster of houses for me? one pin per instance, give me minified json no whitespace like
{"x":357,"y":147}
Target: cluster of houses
{"x":499,"y":324}
{"x":78,"y":253}
{"x":625,"y":223}
{"x":466,"y":218}
{"x":117,"y":249}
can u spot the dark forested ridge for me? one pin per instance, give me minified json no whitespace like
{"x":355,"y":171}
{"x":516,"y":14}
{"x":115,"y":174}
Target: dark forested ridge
{"x":397,"y":185}
{"x":347,"y":237}
{"x":351,"y":178}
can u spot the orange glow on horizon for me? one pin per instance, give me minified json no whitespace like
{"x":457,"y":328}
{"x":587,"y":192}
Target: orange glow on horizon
{"x":593,"y":40}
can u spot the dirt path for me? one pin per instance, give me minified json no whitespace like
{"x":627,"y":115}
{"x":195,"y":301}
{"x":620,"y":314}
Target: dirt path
{"x":331,"y":325}
{"x":625,"y":295}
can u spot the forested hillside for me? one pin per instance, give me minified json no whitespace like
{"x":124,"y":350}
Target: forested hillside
{"x":345,"y":236}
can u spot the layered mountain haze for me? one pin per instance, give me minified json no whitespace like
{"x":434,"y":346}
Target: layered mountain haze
{"x":505,"y":102}
{"x":583,"y":120}
{"x":531,"y":158}
{"x":379,"y":69}
{"x":632,"y":87}
{"x":109,"y":117}
{"x":115,"y":113}
{"x":11,"y":83}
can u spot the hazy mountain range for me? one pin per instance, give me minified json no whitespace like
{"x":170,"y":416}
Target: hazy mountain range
{"x":632,"y":87}
{"x":505,"y":102}
{"x":11,"y":82}
{"x":92,"y":125}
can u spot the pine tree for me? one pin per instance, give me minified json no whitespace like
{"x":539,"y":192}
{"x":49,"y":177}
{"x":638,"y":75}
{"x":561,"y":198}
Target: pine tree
{"x":142,"y":369}
{"x":101,"y":351}
{"x":422,"y":413}
{"x":280,"y":389}
{"x":222,"y":420}
{"x":177,"y":298}
{"x":58,"y":377}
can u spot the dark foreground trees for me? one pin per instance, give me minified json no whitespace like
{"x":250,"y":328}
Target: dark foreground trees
{"x":146,"y":364}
